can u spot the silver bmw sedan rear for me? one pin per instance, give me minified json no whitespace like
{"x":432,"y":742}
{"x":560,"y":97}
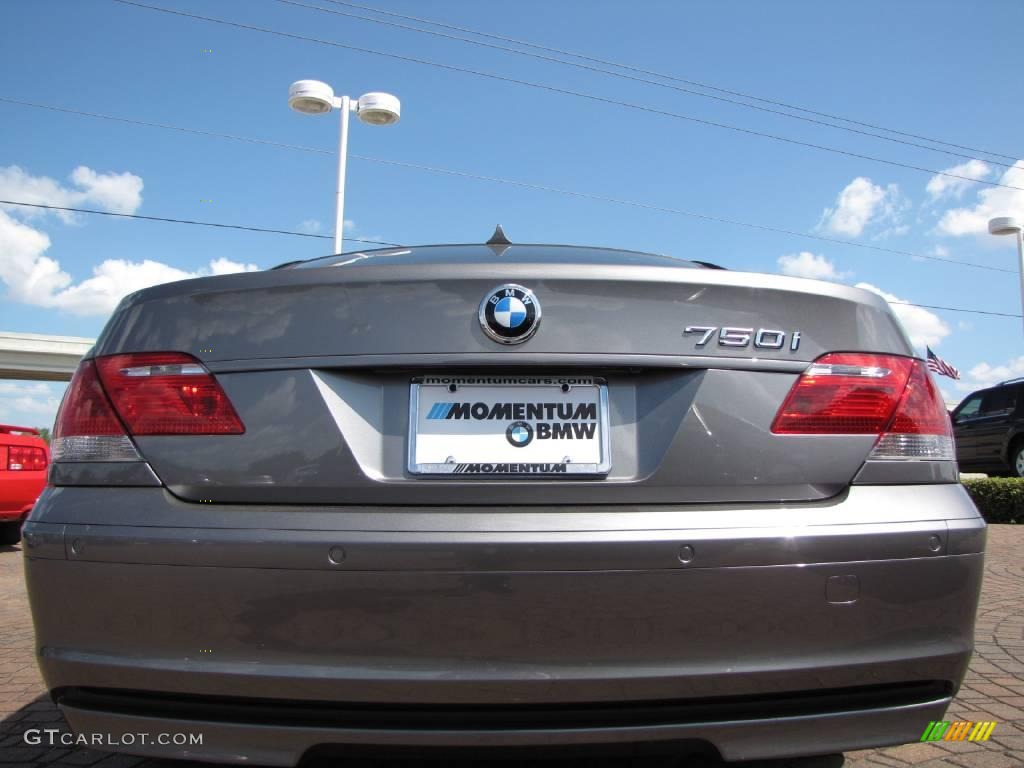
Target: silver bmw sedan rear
{"x":455,"y":496}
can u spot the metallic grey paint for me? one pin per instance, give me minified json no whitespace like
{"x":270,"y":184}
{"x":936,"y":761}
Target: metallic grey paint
{"x":716,"y":558}
{"x":102,"y":473}
{"x":604,"y":309}
{"x":324,"y":437}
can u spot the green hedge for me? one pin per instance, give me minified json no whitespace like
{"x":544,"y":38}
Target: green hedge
{"x":999,"y":499}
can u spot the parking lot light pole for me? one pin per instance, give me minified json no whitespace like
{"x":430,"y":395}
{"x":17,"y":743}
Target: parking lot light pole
{"x":1007,"y":225}
{"x":312,"y":97}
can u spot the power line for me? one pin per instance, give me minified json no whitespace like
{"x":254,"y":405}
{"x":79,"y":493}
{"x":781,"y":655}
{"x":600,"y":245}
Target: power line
{"x":188,"y":221}
{"x":622,"y":76}
{"x":676,"y":211}
{"x":361,"y":240}
{"x":513,"y":182}
{"x":673,"y":78}
{"x":166,"y":126}
{"x":956,"y":309}
{"x":516,"y":183}
{"x":566,"y":92}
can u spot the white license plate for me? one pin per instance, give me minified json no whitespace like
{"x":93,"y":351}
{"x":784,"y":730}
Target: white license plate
{"x":509,"y":425}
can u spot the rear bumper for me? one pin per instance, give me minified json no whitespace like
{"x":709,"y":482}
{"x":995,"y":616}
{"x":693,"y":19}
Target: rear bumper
{"x":658,"y":620}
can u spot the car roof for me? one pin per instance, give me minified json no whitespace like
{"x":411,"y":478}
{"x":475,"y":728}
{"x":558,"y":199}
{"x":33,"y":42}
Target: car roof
{"x":1000,"y":385}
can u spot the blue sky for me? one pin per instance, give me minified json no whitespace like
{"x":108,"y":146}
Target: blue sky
{"x":940,"y":69}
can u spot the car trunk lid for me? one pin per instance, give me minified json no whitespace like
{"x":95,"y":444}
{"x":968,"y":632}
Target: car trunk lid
{"x":321,"y":363}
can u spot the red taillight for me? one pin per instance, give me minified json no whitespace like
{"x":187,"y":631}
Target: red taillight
{"x":110,"y":398}
{"x":87,"y":429}
{"x":25,"y":458}
{"x":86,"y":409}
{"x":887,"y":395}
{"x":167,"y":393}
{"x":844,"y":393}
{"x":922,"y":411}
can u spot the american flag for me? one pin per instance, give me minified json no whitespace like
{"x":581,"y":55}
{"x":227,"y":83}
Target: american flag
{"x":940,"y":366}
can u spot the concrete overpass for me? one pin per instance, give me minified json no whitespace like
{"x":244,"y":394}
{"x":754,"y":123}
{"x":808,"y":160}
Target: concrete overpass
{"x":40,"y":358}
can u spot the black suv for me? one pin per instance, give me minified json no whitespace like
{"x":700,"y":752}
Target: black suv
{"x":989,"y":429}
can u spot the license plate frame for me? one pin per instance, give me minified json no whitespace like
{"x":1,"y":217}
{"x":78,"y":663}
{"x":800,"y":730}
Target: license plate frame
{"x":505,"y":466}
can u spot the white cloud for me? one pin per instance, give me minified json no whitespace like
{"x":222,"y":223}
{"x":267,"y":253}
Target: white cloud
{"x":947,"y":186}
{"x":860,"y":203}
{"x":985,"y":375}
{"x":30,"y":276}
{"x":924,"y":328}
{"x":896,"y":231}
{"x":112,"y":279}
{"x":115,"y":192}
{"x":807,"y":264}
{"x":224,"y":266}
{"x":30,"y":403}
{"x":991,"y":202}
{"x":314,"y":227}
{"x":34,"y":278}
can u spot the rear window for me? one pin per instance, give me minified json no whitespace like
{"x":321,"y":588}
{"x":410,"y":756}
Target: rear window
{"x":997,"y":401}
{"x":992,"y":402}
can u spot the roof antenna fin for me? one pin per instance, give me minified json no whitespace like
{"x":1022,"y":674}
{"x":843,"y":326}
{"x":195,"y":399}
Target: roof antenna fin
{"x":498,"y":238}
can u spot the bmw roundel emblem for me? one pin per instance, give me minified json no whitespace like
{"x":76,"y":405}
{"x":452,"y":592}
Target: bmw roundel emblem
{"x":510,"y":314}
{"x":519,"y":434}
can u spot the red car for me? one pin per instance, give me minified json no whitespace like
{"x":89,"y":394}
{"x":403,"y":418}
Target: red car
{"x":24,"y":457}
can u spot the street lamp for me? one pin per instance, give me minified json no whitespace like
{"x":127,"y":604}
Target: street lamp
{"x":1007,"y":225}
{"x":311,"y":97}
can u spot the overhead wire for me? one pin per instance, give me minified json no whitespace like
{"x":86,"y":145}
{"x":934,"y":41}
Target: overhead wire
{"x":633,"y":78}
{"x":187,"y":221}
{"x":666,"y":76}
{"x":362,"y":240}
{"x":956,"y":309}
{"x":565,"y":92}
{"x":512,"y":182}
{"x":497,"y":179}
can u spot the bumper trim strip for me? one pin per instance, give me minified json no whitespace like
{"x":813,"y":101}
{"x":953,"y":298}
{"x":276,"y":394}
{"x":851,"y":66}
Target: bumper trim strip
{"x":500,"y":551}
{"x":249,"y":711}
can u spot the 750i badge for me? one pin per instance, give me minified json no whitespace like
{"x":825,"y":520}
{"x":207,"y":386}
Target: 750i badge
{"x":762,"y":338}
